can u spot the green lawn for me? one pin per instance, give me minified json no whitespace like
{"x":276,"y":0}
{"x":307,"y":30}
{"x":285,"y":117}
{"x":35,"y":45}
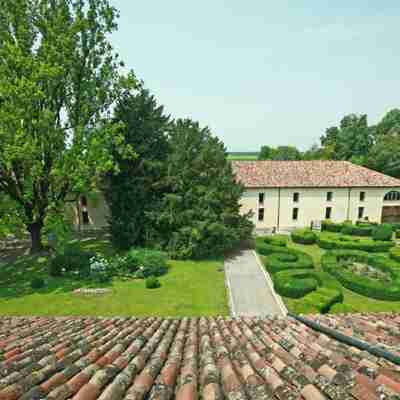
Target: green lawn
{"x":355,"y":301}
{"x":242,"y":156}
{"x":190,"y":288}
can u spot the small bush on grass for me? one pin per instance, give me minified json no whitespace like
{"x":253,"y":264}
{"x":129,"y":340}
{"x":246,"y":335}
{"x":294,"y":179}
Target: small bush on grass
{"x":287,"y":257}
{"x":150,"y":262}
{"x":329,"y":241}
{"x":152,"y":282}
{"x":276,"y":240}
{"x":304,"y":236}
{"x":395,"y":253}
{"x":37,"y":283}
{"x":380,"y":290}
{"x":323,"y":299}
{"x":383,"y":232}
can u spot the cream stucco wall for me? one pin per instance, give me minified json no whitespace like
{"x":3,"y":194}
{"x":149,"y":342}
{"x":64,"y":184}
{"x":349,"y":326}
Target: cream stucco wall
{"x":312,"y":205}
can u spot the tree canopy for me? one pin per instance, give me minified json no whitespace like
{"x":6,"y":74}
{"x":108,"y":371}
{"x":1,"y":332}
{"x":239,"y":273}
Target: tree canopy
{"x":280,"y":153}
{"x":59,"y":76}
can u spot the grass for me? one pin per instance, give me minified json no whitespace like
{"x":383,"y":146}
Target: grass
{"x":352,"y":300}
{"x":190,"y":288}
{"x":246,"y":156}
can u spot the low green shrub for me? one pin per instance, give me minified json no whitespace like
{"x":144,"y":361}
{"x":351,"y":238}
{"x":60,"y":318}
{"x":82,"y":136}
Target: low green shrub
{"x":323,"y":299}
{"x":329,"y":241}
{"x":275,"y":258}
{"x":296,"y":284}
{"x":276,"y":240}
{"x":398,"y":234}
{"x":330,"y":226}
{"x":357,"y":230}
{"x":342,"y":308}
{"x":383,"y":232}
{"x":152,"y":282}
{"x":395,"y":253}
{"x":304,"y":236}
{"x":37,"y":283}
{"x":380,"y":290}
{"x":150,"y":262}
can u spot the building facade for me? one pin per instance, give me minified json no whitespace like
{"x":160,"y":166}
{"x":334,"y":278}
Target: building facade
{"x":284,"y":195}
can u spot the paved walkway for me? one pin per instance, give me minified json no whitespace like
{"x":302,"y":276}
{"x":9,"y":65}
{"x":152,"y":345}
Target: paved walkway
{"x":251,"y":291}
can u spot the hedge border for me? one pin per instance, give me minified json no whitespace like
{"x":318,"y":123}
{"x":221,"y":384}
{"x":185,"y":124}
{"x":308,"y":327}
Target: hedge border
{"x":360,"y":284}
{"x":304,"y":236}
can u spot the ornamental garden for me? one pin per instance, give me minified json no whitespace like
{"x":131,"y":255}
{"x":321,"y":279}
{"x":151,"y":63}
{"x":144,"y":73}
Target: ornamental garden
{"x":344,"y":268}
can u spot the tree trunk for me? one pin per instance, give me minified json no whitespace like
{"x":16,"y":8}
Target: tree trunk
{"x":35,"y":230}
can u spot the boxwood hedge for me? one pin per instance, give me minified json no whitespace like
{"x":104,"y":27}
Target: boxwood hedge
{"x":283,"y":258}
{"x":383,"y":232}
{"x":362,"y":284}
{"x":395,"y":253}
{"x":323,"y":299}
{"x":304,"y":236}
{"x":357,"y":230}
{"x":276,"y":240}
{"x":329,"y":241}
{"x":330,"y":226}
{"x":296,"y":284}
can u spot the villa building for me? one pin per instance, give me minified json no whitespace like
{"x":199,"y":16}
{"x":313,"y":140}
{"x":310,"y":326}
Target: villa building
{"x":292,"y":194}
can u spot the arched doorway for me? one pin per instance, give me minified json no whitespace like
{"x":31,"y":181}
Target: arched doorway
{"x":391,"y":207}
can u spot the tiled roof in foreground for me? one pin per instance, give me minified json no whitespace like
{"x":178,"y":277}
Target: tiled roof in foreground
{"x":207,"y":358}
{"x":283,"y":174}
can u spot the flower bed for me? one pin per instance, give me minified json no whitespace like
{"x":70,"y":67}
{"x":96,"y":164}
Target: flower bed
{"x":332,"y":262}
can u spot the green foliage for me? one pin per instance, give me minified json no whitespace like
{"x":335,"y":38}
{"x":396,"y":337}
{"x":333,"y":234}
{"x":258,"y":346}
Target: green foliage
{"x":330,"y":226}
{"x":360,"y":284}
{"x":323,"y":299}
{"x":276,"y":240}
{"x":329,"y":241}
{"x":37,"y":283}
{"x":152,"y":282}
{"x":383,"y":232}
{"x":304,"y":236}
{"x":282,"y":258}
{"x":398,"y":234}
{"x":342,"y":308}
{"x":199,"y":212}
{"x":280,"y":153}
{"x":148,"y":262}
{"x":59,"y":76}
{"x":132,"y":191}
{"x":357,"y":230}
{"x":296,"y":284}
{"x":395,"y":253}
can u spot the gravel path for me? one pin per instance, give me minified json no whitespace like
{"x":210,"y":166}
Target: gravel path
{"x":250,"y":290}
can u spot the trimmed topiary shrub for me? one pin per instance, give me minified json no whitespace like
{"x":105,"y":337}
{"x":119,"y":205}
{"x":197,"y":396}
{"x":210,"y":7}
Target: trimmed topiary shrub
{"x":275,"y":258}
{"x":357,"y":230}
{"x":395,"y":253}
{"x":364,"y":285}
{"x":330,"y":241}
{"x":37,"y":283}
{"x":323,"y":299}
{"x":276,"y":240}
{"x":383,"y":232}
{"x":296,"y":284}
{"x":330,"y":226}
{"x":152,"y":282}
{"x":304,"y":236}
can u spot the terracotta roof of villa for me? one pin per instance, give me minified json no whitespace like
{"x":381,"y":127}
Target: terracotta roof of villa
{"x":190,"y":358}
{"x":309,"y":174}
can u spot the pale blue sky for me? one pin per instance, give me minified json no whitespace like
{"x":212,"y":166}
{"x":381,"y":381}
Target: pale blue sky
{"x":265,"y":72}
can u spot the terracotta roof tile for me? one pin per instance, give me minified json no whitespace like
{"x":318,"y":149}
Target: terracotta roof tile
{"x":264,"y":174}
{"x":190,"y":358}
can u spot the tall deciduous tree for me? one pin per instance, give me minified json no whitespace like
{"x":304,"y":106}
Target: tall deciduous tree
{"x":198,"y":215}
{"x":134,"y":189}
{"x":351,"y":140}
{"x":280,"y":153}
{"x":58,"y":78}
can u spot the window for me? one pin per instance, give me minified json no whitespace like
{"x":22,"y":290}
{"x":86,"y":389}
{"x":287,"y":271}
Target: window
{"x":261,"y":214}
{"x":328,"y":212}
{"x":296,"y":197}
{"x":84,"y":201}
{"x":85,"y":218}
{"x":360,"y":212}
{"x":295,"y":214}
{"x":261,"y":198}
{"x":362,"y":196}
{"x":329,"y":196}
{"x":392,"y":196}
